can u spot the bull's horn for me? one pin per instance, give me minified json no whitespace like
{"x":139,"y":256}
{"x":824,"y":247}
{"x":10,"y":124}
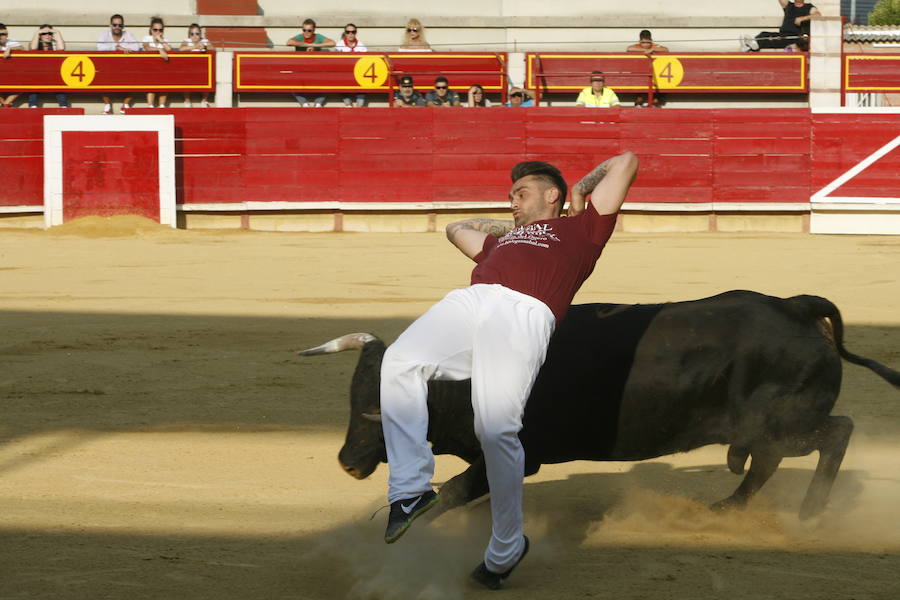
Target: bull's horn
{"x":351,"y":341}
{"x":374,"y":417}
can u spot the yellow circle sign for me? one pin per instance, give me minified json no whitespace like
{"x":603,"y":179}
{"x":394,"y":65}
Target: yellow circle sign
{"x":77,"y":71}
{"x":667,"y":72}
{"x":370,"y":71}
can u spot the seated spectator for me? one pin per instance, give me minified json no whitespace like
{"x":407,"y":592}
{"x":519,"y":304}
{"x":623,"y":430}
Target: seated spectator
{"x":157,"y":41}
{"x":195,"y":42}
{"x":801,"y":45}
{"x":47,"y":39}
{"x":116,"y":39}
{"x":414,"y":38}
{"x":310,"y":41}
{"x":442,"y":95}
{"x":598,"y":95}
{"x":797,"y":15}
{"x":407,"y":96}
{"x":646,"y":44}
{"x":7,"y":45}
{"x":477,"y":97}
{"x":349,"y":42}
{"x":648,"y":47}
{"x":520,"y":97}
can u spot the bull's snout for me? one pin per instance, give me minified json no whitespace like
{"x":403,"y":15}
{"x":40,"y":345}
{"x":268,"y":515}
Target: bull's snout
{"x":352,"y":471}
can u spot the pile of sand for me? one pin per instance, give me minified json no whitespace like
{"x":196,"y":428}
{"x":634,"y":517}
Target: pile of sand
{"x":108,"y":227}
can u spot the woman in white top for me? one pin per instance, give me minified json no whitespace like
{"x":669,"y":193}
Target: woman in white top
{"x":414,"y":38}
{"x":157,"y":41}
{"x":195,"y":42}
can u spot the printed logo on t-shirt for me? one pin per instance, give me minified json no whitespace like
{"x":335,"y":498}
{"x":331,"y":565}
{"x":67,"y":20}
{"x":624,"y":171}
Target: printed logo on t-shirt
{"x":536,"y":234}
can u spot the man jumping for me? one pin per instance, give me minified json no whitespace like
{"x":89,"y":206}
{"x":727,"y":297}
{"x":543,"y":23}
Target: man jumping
{"x":496,"y":332}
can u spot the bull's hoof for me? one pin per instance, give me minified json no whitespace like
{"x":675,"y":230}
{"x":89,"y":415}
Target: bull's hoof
{"x":730,"y":503}
{"x":811,"y":508}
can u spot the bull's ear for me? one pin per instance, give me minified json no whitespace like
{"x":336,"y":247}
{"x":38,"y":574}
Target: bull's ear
{"x":375,"y":417}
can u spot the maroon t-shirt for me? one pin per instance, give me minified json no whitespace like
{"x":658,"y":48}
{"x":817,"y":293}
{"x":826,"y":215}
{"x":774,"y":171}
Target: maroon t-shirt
{"x":547,"y":260}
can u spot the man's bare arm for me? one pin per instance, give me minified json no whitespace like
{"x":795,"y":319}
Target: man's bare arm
{"x":607,"y":184}
{"x":469,"y":235}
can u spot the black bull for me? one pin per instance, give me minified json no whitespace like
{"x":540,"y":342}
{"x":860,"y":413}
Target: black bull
{"x":628,"y":382}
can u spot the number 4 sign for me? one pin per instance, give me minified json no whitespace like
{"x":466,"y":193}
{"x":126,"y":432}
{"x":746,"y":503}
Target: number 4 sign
{"x":77,"y":71}
{"x":667,"y":72}
{"x":370,"y":71}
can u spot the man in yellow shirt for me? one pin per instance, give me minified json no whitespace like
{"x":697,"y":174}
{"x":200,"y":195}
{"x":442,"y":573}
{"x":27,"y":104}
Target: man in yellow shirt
{"x":597,"y":96}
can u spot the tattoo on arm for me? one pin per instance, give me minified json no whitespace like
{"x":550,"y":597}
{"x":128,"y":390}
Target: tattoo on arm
{"x":590,"y":181}
{"x":494,"y":227}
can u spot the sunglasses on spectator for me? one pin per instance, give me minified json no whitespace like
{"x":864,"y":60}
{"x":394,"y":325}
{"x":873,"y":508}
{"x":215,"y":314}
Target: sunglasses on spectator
{"x":308,"y":30}
{"x":157,"y":29}
{"x":117,"y":24}
{"x":46,"y":33}
{"x":412,"y":29}
{"x":349,"y":31}
{"x":194,"y":33}
{"x":600,"y":80}
{"x":440,"y":87}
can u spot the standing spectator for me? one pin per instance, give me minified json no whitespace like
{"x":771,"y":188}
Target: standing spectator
{"x":407,"y":96}
{"x":442,"y":95}
{"x":47,"y":39}
{"x":349,"y":42}
{"x":310,"y":41}
{"x":195,"y":42}
{"x":157,"y":41}
{"x":116,"y":39}
{"x":414,"y":38}
{"x":797,"y":15}
{"x":648,"y":47}
{"x":520,"y":98}
{"x":7,"y":45}
{"x":477,"y":97}
{"x":597,"y":96}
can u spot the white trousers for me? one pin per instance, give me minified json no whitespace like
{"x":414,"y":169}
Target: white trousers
{"x":498,"y":338}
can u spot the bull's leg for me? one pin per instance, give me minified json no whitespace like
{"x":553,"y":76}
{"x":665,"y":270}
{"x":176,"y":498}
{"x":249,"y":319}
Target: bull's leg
{"x":765,"y":460}
{"x":831,"y":442}
{"x":469,"y":485}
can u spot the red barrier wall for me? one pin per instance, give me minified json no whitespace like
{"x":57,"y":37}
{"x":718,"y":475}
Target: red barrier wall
{"x":428,"y":159}
{"x":841,"y":141}
{"x":437,"y":156}
{"x":22,"y":154}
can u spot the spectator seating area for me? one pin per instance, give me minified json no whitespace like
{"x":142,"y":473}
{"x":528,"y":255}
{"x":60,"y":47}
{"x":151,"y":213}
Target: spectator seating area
{"x":703,"y":66}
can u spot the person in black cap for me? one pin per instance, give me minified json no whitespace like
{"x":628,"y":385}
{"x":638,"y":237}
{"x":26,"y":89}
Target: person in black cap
{"x":407,"y":96}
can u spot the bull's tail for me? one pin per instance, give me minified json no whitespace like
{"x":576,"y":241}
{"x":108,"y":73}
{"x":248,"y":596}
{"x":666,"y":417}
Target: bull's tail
{"x":816,"y":307}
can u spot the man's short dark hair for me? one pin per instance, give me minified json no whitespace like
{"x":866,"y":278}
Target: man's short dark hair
{"x":310,"y":22}
{"x":645,"y":34}
{"x":117,"y":16}
{"x":2,"y":26}
{"x":544,"y":171}
{"x":441,"y":79}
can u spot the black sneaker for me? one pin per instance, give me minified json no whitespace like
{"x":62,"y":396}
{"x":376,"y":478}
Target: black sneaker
{"x":494,"y":581}
{"x":404,"y":512}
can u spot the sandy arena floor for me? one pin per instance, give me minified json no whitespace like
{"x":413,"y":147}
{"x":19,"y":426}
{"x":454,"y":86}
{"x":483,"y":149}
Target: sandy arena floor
{"x":159,"y":438}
